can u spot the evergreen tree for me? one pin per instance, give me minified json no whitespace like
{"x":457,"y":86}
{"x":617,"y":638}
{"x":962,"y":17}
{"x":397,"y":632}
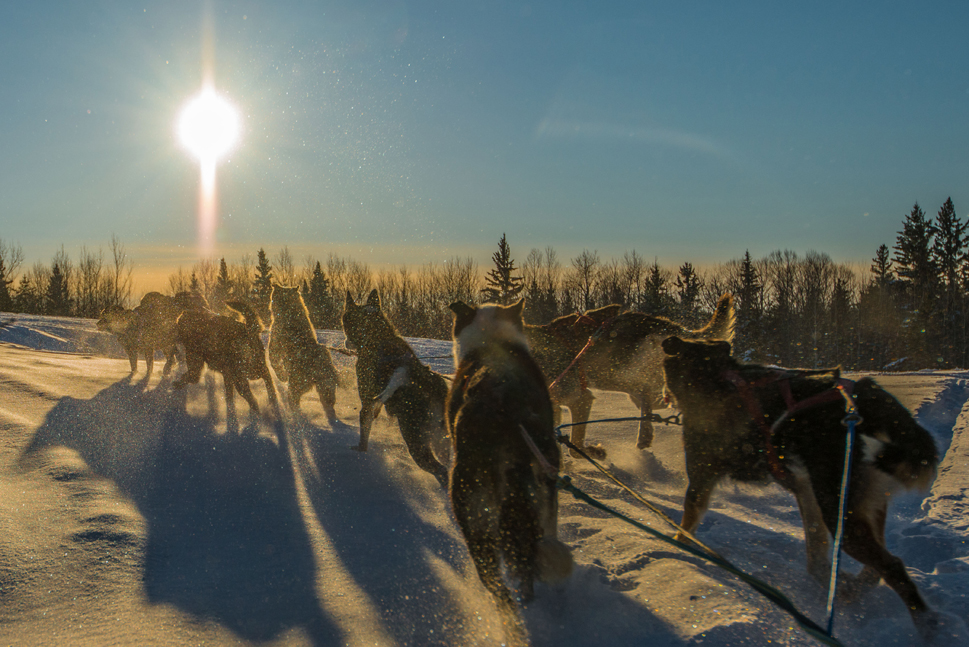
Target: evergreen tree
{"x":749,"y":309}
{"x":502,"y":284}
{"x":262,"y":286}
{"x":918,"y":279}
{"x":6,"y":301}
{"x":57,"y":300}
{"x":688,"y":285}
{"x":948,"y":255}
{"x":27,"y":300}
{"x":319,"y":301}
{"x":657,"y":300}
{"x":881,"y":267}
{"x":223,"y":287}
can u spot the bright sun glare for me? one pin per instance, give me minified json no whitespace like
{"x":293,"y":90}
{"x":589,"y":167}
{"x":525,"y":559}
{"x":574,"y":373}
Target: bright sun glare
{"x":208,"y":126}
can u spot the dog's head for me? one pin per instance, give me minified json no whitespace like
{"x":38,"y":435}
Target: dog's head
{"x":366,"y":323}
{"x":694,"y":367}
{"x":476,"y":328}
{"x":285,"y":301}
{"x":115,"y":319}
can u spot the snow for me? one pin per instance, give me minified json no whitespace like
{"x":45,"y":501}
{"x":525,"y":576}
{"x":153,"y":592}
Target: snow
{"x":129,"y":516}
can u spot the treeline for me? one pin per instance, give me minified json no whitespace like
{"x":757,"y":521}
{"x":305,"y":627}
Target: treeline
{"x":65,"y":288}
{"x":908,"y":310}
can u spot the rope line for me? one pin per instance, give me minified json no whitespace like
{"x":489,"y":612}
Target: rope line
{"x":768,"y":591}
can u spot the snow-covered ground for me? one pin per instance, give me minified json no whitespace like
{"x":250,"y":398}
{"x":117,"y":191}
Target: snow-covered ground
{"x":128,"y":516}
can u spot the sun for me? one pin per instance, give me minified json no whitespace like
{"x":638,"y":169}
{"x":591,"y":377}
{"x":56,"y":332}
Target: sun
{"x":209,"y":126}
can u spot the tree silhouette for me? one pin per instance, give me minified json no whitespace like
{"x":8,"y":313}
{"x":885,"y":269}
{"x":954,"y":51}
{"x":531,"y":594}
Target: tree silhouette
{"x":502,"y":285}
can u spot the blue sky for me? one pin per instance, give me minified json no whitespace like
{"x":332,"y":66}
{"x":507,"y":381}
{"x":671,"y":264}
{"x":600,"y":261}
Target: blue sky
{"x":407,"y":132}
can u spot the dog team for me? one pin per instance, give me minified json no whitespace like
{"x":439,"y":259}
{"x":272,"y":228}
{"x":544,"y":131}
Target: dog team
{"x":489,"y":438}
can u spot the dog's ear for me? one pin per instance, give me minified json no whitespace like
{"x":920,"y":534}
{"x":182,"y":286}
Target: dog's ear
{"x":462,"y":310}
{"x":672,"y":345}
{"x":350,"y":302}
{"x":373,"y":299}
{"x":516,"y":309}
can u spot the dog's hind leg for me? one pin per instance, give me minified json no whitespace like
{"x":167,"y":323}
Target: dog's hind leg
{"x":862,"y":542}
{"x":580,"y":408}
{"x":149,"y":360}
{"x":231,"y":419}
{"x":697,"y":497}
{"x":644,"y":439}
{"x":815,"y":530}
{"x":418,"y":444}
{"x":368,"y":411}
{"x":327,"y":393}
{"x":169,"y":360}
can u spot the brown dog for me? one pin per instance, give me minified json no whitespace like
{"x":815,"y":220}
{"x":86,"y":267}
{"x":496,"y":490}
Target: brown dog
{"x":389,"y":373}
{"x":739,"y":422}
{"x":502,"y":489}
{"x":626,"y":357}
{"x":150,"y":327}
{"x":231,"y":347}
{"x":295,"y":353}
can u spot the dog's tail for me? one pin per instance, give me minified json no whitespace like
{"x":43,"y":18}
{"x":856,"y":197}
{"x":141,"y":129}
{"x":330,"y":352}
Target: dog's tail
{"x":253,"y":322}
{"x":721,"y":325}
{"x":893,"y":440}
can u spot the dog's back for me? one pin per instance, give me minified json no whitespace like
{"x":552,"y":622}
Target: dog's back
{"x":502,"y":491}
{"x":295,"y":353}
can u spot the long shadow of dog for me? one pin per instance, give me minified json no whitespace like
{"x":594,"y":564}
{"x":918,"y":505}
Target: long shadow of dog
{"x":225,"y":537}
{"x":381,"y":531}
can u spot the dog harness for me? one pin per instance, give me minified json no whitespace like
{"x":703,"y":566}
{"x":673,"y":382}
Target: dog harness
{"x":583,"y":381}
{"x":842,"y":390}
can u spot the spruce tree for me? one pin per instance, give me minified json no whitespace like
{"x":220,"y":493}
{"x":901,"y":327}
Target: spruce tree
{"x":948,"y":255}
{"x":57,"y":299}
{"x":502,"y":284}
{"x":749,"y":309}
{"x":262,"y":286}
{"x":319,"y":301}
{"x":688,"y":286}
{"x":27,"y":300}
{"x":656,"y":300}
{"x":918,"y":278}
{"x":223,"y":287}
{"x":6,"y":301}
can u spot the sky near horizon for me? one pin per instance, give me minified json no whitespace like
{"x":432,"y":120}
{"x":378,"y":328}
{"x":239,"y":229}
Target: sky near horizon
{"x":407,"y":132}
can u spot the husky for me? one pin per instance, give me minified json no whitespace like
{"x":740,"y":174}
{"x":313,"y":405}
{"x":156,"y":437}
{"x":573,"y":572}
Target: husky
{"x":739,"y":422}
{"x":625,"y":356}
{"x":505,"y":456}
{"x":149,"y":327}
{"x":390,"y":374}
{"x":123,"y":323}
{"x":229,"y":346}
{"x":296,"y":355}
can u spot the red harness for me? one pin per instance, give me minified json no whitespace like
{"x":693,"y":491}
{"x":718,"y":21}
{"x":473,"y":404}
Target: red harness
{"x":841,"y":391}
{"x":583,"y":382}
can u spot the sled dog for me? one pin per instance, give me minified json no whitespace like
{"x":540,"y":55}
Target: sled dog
{"x":390,"y":374}
{"x":626,"y":357}
{"x":505,"y":456}
{"x":295,"y":353}
{"x":149,"y":327}
{"x":749,"y":422}
{"x":229,"y":346}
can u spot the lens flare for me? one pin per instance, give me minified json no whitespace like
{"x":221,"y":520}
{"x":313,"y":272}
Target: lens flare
{"x":209,"y":128}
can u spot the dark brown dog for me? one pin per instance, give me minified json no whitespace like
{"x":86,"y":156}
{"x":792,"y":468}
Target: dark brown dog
{"x":502,"y":491}
{"x":389,"y":373}
{"x":625,"y":357}
{"x":720,"y":399}
{"x":150,"y":327}
{"x":231,"y":347}
{"x":123,"y":323}
{"x":295,"y":353}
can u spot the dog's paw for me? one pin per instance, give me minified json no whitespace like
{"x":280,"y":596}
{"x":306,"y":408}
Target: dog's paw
{"x":358,"y":448}
{"x":645,"y":439}
{"x":940,"y":629}
{"x":596,"y":452}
